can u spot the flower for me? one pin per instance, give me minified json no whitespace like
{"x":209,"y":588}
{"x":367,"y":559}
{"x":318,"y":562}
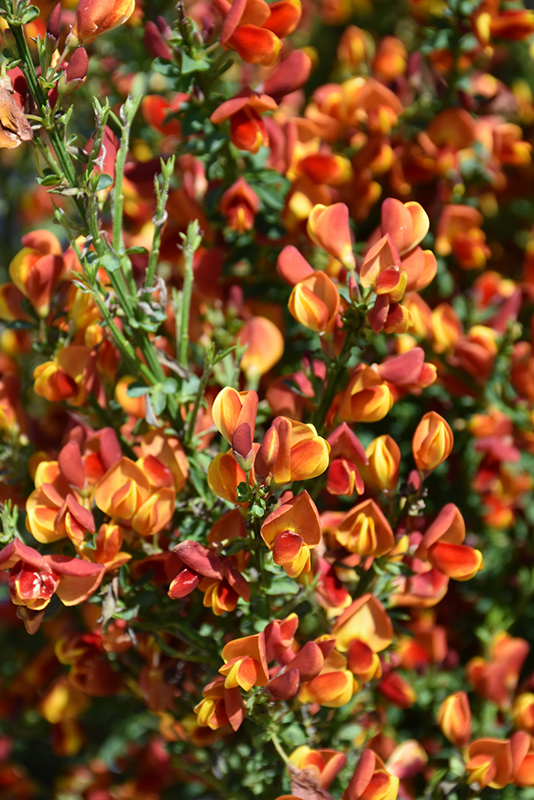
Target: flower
{"x":94,"y":17}
{"x":432,"y":442}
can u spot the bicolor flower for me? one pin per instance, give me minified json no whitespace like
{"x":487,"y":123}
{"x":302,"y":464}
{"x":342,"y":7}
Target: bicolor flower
{"x":291,"y":531}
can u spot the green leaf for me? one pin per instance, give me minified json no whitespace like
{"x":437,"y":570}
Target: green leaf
{"x":190,"y":65}
{"x":104,"y":182}
{"x":158,"y":399}
{"x":110,"y":262}
{"x":271,"y":196}
{"x":49,"y":179}
{"x":137,"y":389}
{"x":29,"y":15}
{"x":169,"y":386}
{"x":167,"y":68}
{"x":282,"y":586}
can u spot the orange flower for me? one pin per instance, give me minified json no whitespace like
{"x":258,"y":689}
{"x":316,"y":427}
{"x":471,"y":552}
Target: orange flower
{"x":11,"y":300}
{"x":35,"y":578}
{"x":365,"y":619}
{"x":218,"y":578}
{"x":328,"y":226}
{"x":68,"y":377}
{"x":432,"y":442}
{"x":397,"y":690}
{"x":371,"y":780}
{"x":314,"y":302}
{"x":407,"y":760}
{"x":390,"y":59}
{"x":454,"y":719}
{"x":333,"y":687}
{"x":220,"y":706}
{"x":523,"y":712}
{"x":367,"y":398}
{"x":323,"y":764}
{"x":363,"y":661}
{"x":446,"y":327}
{"x":497,"y":678}
{"x":125,"y":492}
{"x":407,"y":372}
{"x":406,"y":223}
{"x":245,"y":659}
{"x":231,"y":409}
{"x":265,"y":346}
{"x":301,"y":455}
{"x":490,"y":763}
{"x":36,"y":269}
{"x":346,"y":452}
{"x":168,"y":451}
{"x":442,"y":546}
{"x":291,"y":531}
{"x":381,"y":270}
{"x":247,"y":131}
{"x":365,"y":531}
{"x":94,"y":17}
{"x":224,"y":476}
{"x":159,"y":112}
{"x":240,"y":204}
{"x":254,"y":28}
{"x":355,"y":46}
{"x":459,"y":233}
{"x":107,"y":548}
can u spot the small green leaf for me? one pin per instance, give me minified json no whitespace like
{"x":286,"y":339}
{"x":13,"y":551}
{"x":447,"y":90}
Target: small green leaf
{"x":29,"y":15}
{"x":137,"y":389}
{"x":190,"y":65}
{"x":104,"y":182}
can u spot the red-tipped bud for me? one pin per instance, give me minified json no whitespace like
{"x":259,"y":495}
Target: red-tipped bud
{"x":155,"y":43}
{"x":53,"y":28}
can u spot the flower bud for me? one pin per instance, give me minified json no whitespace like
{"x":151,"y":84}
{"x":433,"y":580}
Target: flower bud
{"x":75,"y":72}
{"x":432,"y":442}
{"x":384,"y":460}
{"x":454,"y":719}
{"x":53,"y":28}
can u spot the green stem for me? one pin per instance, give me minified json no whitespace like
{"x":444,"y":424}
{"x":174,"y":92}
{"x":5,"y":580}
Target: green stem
{"x":279,"y":749}
{"x":192,"y":242}
{"x":333,"y":383}
{"x":198,"y":399}
{"x":135,"y":365}
{"x":128,"y":112}
{"x":160,"y":218}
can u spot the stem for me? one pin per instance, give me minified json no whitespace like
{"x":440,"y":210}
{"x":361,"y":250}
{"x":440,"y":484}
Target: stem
{"x":41,"y":102}
{"x":160,"y":217}
{"x":128,"y":112}
{"x":121,"y":342}
{"x":279,"y":749}
{"x":198,"y":399}
{"x":192,"y":242}
{"x":333,"y":382}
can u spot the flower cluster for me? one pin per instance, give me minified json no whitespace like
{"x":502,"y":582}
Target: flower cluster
{"x":266,"y":400}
